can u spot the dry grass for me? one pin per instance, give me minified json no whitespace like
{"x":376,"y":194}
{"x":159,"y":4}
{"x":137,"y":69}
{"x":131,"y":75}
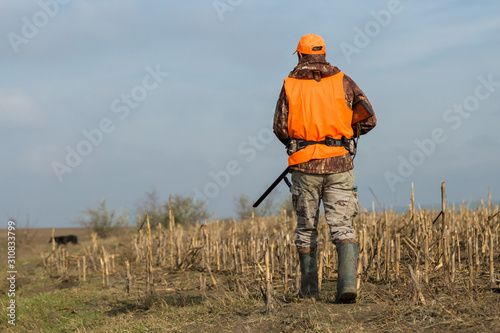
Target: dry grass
{"x":212,"y":277}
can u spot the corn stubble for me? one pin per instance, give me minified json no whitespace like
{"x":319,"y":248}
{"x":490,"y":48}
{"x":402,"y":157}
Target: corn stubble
{"x":411,"y":256}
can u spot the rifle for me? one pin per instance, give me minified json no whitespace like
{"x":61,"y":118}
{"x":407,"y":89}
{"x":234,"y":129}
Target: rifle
{"x":273,"y":185}
{"x":361,"y":111}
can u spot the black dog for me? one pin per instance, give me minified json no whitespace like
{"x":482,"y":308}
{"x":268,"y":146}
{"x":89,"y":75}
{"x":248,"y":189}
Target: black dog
{"x":63,"y":240}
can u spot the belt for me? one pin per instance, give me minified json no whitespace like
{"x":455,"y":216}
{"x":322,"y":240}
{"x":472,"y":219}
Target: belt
{"x":343,"y":142}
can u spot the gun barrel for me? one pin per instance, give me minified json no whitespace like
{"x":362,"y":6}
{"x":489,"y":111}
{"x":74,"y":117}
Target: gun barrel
{"x":273,"y":185}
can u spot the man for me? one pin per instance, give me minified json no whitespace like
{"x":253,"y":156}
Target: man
{"x":313,"y":119}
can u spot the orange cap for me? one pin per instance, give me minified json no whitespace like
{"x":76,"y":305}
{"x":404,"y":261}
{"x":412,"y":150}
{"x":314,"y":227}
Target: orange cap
{"x":311,"y":44}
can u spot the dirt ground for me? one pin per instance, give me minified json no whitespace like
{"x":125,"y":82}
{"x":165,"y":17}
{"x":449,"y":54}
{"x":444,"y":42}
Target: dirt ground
{"x":187,"y":301}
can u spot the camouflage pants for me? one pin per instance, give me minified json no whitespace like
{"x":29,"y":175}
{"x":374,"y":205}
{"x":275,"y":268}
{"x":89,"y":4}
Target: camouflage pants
{"x":340,"y":201}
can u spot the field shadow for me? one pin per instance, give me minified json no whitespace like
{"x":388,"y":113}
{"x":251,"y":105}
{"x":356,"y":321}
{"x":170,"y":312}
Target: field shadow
{"x":126,"y":307}
{"x":68,"y":282}
{"x":178,"y":300}
{"x":181,"y":300}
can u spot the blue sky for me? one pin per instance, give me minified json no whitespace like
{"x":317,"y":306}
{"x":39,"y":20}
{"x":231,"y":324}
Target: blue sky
{"x":179,"y":96}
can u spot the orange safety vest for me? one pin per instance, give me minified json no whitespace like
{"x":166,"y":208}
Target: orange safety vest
{"x":317,"y":110}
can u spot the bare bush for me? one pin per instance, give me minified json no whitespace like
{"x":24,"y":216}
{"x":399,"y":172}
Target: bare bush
{"x":101,"y":220}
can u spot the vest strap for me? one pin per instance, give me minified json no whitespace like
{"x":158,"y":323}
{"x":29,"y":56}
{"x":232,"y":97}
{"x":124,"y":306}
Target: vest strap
{"x":299,"y":144}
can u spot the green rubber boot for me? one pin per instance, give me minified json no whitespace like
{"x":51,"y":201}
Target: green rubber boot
{"x":309,"y":276}
{"x":347,"y":285}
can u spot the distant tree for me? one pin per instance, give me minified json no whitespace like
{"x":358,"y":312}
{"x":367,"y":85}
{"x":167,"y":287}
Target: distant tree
{"x":186,"y":210}
{"x":152,"y":207}
{"x":101,"y":220}
{"x":243,"y":207}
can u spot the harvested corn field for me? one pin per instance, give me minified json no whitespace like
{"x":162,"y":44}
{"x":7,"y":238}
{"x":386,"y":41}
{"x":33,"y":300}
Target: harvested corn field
{"x":422,"y":269}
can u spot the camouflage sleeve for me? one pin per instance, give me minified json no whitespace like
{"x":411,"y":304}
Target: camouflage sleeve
{"x":353,"y":95}
{"x":280,"y":124}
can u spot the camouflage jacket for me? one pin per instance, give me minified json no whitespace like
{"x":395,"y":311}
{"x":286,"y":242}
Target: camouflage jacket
{"x":315,"y":67}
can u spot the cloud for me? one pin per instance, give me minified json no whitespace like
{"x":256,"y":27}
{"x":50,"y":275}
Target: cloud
{"x":18,"y":109}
